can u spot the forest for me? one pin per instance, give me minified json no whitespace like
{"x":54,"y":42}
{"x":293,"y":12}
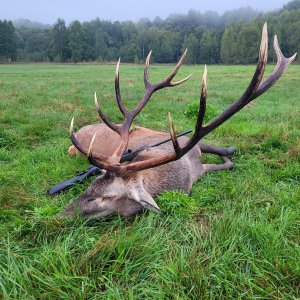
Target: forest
{"x":231,"y":38}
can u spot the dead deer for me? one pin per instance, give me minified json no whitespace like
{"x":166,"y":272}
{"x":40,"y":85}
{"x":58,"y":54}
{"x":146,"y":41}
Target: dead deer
{"x":128,"y":188}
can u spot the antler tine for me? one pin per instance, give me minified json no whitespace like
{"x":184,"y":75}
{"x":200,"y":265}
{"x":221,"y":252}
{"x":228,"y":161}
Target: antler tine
{"x":252,"y":87}
{"x":199,"y":124}
{"x":72,"y":126}
{"x":181,"y":81}
{"x":281,"y":66}
{"x":74,"y":139}
{"x":102,"y":164}
{"x":97,"y":160}
{"x":151,"y":88}
{"x":263,"y":51}
{"x":78,"y":146}
{"x":117,"y":88}
{"x":103,"y":116}
{"x":146,"y":71}
{"x":181,"y":60}
{"x":89,"y":153}
{"x":168,"y":81}
{"x":173,"y":135}
{"x":202,"y":107}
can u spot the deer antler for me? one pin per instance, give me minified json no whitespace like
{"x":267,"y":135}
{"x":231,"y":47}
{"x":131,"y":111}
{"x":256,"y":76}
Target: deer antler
{"x":112,"y":162}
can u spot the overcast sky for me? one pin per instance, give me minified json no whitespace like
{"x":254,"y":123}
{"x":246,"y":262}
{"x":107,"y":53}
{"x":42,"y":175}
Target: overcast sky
{"x":47,"y":11}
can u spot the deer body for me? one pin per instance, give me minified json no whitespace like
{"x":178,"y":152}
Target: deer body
{"x":177,"y":175}
{"x":129,"y":187}
{"x":180,"y":174}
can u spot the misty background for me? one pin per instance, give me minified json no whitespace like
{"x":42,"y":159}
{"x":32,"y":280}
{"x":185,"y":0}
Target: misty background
{"x":133,"y":10}
{"x":214,"y":32}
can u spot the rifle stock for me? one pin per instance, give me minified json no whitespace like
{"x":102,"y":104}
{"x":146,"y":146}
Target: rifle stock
{"x":61,"y":187}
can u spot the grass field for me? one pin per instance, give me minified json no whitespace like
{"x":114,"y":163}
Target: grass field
{"x":235,"y":237}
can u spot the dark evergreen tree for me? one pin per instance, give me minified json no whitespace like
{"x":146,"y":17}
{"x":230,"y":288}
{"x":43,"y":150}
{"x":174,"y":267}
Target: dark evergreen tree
{"x":61,"y":51}
{"x":206,"y":49}
{"x":77,"y":43}
{"x":193,"y":45}
{"x":8,"y":41}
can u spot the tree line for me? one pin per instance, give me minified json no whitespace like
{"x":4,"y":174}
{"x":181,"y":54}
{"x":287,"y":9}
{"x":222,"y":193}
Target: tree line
{"x":232,"y":38}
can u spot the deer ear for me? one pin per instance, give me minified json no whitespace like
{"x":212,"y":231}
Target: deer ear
{"x":145,"y":199}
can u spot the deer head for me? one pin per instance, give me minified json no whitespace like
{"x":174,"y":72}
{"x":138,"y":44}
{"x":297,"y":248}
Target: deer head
{"x":122,"y":189}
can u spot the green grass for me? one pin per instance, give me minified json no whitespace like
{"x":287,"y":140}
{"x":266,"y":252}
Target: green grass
{"x":235,"y":237}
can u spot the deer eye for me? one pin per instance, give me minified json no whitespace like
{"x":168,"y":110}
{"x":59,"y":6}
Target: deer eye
{"x":95,"y":199}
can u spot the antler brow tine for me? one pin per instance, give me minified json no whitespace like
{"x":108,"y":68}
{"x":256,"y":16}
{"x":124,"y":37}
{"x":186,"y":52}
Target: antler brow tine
{"x":103,"y":116}
{"x":72,"y":126}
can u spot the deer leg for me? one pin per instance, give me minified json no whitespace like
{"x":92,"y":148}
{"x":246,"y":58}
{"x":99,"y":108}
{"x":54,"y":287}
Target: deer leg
{"x":205,"y":148}
{"x":228,"y":164}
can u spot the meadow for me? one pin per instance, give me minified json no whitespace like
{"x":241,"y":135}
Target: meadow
{"x":236,"y":236}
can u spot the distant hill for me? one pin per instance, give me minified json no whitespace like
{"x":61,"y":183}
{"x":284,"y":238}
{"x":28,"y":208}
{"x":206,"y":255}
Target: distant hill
{"x":30,"y":24}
